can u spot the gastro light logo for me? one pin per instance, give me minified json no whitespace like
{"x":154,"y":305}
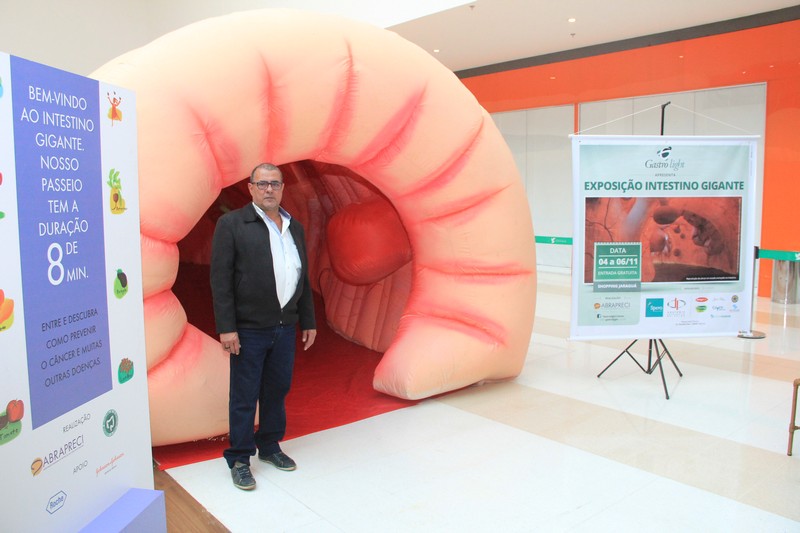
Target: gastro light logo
{"x":665,"y":160}
{"x":654,"y":307}
{"x":110,"y":422}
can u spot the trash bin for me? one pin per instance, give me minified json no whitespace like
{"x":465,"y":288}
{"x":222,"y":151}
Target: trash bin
{"x":786,"y":282}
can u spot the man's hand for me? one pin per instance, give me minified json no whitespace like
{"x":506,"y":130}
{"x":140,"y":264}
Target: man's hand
{"x":308,"y":338}
{"x":230,"y":342}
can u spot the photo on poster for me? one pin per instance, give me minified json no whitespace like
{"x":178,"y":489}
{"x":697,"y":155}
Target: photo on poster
{"x":683,"y":239}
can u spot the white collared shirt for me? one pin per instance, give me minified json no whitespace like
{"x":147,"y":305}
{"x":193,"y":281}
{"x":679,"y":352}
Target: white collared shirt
{"x":285,"y":257}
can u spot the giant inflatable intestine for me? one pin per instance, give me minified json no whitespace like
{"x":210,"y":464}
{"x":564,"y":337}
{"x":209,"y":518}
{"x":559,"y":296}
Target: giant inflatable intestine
{"x":417,"y":222}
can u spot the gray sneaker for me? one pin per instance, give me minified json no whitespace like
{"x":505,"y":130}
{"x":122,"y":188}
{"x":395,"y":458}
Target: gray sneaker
{"x":242,"y":477}
{"x":279,"y":460}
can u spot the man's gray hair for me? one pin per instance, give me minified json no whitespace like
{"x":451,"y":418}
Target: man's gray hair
{"x":264,"y":166}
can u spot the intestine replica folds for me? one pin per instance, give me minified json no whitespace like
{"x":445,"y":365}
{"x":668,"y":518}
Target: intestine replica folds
{"x":420,"y":236}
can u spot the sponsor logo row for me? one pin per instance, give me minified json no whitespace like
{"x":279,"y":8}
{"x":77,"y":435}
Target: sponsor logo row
{"x":677,"y":307}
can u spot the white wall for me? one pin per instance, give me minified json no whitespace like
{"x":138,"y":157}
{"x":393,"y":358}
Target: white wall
{"x":80,"y":36}
{"x":73,"y":36}
{"x":539,"y":140}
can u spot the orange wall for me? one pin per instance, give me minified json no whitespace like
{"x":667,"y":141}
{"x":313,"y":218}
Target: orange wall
{"x":768,"y":54}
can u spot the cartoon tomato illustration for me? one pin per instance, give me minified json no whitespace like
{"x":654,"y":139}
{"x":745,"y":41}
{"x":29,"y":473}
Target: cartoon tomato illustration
{"x":10,"y":425}
{"x":15,"y":410}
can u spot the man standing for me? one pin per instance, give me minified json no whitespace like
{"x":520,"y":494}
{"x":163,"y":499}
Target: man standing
{"x":261,"y":290}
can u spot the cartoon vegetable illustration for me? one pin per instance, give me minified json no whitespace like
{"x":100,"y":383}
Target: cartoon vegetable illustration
{"x":125,"y":370}
{"x":114,"y":112}
{"x":6,"y":311}
{"x":120,"y":284}
{"x":15,"y":410}
{"x":10,"y":425}
{"x":117,"y":203}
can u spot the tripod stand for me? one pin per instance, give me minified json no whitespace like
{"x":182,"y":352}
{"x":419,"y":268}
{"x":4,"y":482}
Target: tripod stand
{"x":651,"y":364}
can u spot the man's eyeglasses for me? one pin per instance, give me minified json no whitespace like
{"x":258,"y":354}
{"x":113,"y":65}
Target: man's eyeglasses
{"x":262,"y":185}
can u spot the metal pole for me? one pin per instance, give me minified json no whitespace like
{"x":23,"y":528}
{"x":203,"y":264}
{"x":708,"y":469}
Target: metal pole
{"x":751,"y":334}
{"x":663,"y":107}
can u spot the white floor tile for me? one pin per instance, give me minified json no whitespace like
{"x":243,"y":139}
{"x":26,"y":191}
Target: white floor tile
{"x":437,"y":467}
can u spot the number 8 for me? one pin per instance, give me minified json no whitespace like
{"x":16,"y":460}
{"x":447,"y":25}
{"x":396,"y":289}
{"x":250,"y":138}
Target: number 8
{"x":55,"y":263}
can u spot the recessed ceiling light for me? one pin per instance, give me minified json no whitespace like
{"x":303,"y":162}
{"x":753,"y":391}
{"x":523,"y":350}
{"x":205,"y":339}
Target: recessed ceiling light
{"x":435,"y":50}
{"x":571,"y":19}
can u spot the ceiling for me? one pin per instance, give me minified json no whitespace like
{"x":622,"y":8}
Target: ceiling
{"x":487,"y":32}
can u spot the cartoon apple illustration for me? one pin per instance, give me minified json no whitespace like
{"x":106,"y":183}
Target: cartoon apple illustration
{"x":15,"y":411}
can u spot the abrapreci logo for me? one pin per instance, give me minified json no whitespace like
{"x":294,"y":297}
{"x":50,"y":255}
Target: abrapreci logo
{"x":39,"y":464}
{"x":654,"y":307}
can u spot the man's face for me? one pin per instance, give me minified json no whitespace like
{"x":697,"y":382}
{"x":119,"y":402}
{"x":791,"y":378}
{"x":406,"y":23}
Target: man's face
{"x":268,"y":198}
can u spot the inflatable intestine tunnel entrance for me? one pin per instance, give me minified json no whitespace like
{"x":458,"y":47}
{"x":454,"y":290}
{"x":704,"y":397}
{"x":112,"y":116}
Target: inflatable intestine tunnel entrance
{"x":418,"y":228}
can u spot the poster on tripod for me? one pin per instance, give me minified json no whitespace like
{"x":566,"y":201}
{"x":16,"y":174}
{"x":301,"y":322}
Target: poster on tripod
{"x":664,"y":236}
{"x":74,"y":417}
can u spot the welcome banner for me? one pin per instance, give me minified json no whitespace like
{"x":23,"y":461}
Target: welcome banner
{"x":664,"y":236}
{"x":74,"y":419}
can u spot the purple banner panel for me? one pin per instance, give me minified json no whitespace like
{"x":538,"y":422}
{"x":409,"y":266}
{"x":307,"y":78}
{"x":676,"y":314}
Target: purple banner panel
{"x":59,"y":196}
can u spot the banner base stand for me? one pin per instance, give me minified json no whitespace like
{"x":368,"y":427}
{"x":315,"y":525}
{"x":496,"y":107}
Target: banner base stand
{"x":136,"y":510}
{"x":751,"y":334}
{"x":652,"y":362}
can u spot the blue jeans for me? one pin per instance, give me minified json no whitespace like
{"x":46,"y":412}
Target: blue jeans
{"x":261,"y":374}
